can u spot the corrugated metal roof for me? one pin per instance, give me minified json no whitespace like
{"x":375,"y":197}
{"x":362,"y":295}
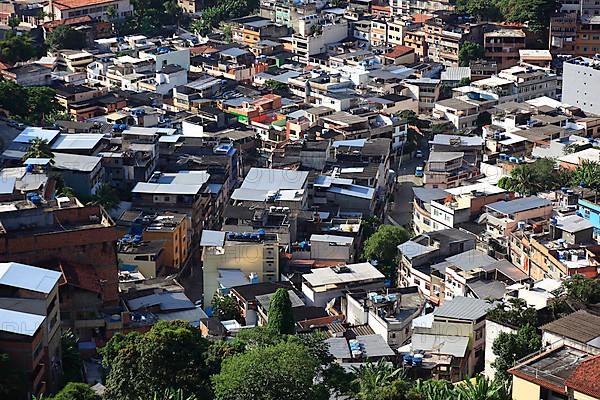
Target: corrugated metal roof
{"x":331,"y":239}
{"x":450,"y":345}
{"x":518,"y":205}
{"x":374,"y":346}
{"x":463,"y":308}
{"x":212,"y":238}
{"x":20,"y":323}
{"x":338,"y":348}
{"x":81,"y":141}
{"x":28,"y":277}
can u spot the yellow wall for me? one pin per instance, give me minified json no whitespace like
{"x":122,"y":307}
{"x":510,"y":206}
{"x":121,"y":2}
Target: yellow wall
{"x":524,"y":390}
{"x":176,"y":243}
{"x":246,"y":257}
{"x":580,"y":396}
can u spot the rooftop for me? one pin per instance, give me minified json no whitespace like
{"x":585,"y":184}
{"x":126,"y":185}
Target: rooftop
{"x":465,"y":308}
{"x":580,"y":326}
{"x":343,"y":275}
{"x":518,"y":205}
{"x":27,"y":277}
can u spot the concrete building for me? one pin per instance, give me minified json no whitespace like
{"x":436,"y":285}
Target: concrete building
{"x":96,"y":9}
{"x":240,"y":257}
{"x":322,"y":285}
{"x":30,"y":325}
{"x":580,"y":75}
{"x":502,"y":46}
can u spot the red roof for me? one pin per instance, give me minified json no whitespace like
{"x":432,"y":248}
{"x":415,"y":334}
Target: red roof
{"x":585,"y":378}
{"x":399,"y":51}
{"x":68,"y":21}
{"x":68,"y":4}
{"x":80,"y":276}
{"x":419,"y":18}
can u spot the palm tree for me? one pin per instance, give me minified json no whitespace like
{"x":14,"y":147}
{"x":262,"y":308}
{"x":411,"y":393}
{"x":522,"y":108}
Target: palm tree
{"x":433,"y":389}
{"x":482,"y":388}
{"x":106,"y":197}
{"x":587,"y":174}
{"x":379,"y":381}
{"x":39,"y":148}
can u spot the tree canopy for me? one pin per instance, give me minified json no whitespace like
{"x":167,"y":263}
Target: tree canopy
{"x":225,"y":308}
{"x":510,"y":347}
{"x":170,"y":356}
{"x":150,"y":17}
{"x":515,"y":312}
{"x":12,"y":380}
{"x":65,"y":37}
{"x":587,"y":174}
{"x":16,"y":47}
{"x":582,"y":290}
{"x":29,"y":104}
{"x":536,"y":13}
{"x":281,"y":318}
{"x":38,"y":148}
{"x":382,"y":245}
{"x":282,"y":371}
{"x":469,"y":51}
{"x":380,"y":381}
{"x":532,"y":178}
{"x":76,"y":391}
{"x":222,"y":11}
{"x":106,"y":196}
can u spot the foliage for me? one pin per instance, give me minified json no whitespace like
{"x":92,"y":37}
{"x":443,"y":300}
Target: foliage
{"x":529,"y":179}
{"x":431,"y":389}
{"x":515,"y":312}
{"x":482,"y":388}
{"x":65,"y":37}
{"x":17,"y":47}
{"x":510,"y":347}
{"x":220,"y":350}
{"x":380,"y":381}
{"x":259,"y":336}
{"x":225,"y":308}
{"x":536,"y":13}
{"x":382,"y":245}
{"x":38,"y":148}
{"x":171,"y":356}
{"x":150,"y":17}
{"x":29,"y":104}
{"x":587,"y":174}
{"x":222,"y":11}
{"x":12,"y":380}
{"x":76,"y":391}
{"x":469,"y":51}
{"x":71,"y":358}
{"x":484,"y":118}
{"x":281,"y":318}
{"x":464,"y":82}
{"x":582,"y":290}
{"x":281,"y":371}
{"x":171,"y":394}
{"x":106,"y":196}
{"x":272,"y":84}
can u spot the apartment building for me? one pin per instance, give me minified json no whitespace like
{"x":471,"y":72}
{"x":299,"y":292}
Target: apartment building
{"x":580,"y":75}
{"x":504,"y":216}
{"x":232,"y":259}
{"x":185,"y":192}
{"x":96,"y":9}
{"x":502,"y":46}
{"x":30,"y":325}
{"x":316,"y":32}
{"x":447,"y":170}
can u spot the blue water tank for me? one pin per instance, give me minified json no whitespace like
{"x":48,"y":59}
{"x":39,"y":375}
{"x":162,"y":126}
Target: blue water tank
{"x":29,"y":168}
{"x":137,"y":238}
{"x":261,"y":232}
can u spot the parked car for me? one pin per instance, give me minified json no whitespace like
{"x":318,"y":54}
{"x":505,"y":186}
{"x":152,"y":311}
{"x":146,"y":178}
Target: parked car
{"x":419,"y":154}
{"x":419,"y":171}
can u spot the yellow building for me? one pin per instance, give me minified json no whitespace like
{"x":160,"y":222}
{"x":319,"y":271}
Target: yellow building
{"x":173,"y":230}
{"x":232,"y":259}
{"x":560,"y":372}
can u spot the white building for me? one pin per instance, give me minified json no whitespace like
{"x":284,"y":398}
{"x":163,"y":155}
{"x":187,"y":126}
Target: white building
{"x":97,"y":9}
{"x":581,"y":80}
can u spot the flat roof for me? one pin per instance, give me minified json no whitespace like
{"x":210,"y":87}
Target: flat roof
{"x":444,"y":156}
{"x":463,"y":308}
{"x":79,"y":141}
{"x":340,"y":240}
{"x":338,"y":347}
{"x":374,"y":346}
{"x":27,"y":277}
{"x":350,"y":273}
{"x":427,"y":195}
{"x":183,"y":182}
{"x":573,"y":223}
{"x":581,"y":326}
{"x":30,"y":133}
{"x":518,"y":205}
{"x":463,"y":140}
{"x":411,"y":249}
{"x":274,"y":179}
{"x":21,"y":323}
{"x":212,"y":238}
{"x":75,"y":162}
{"x":440,"y":344}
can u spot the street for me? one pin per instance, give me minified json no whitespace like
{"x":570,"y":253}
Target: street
{"x":400,"y":210}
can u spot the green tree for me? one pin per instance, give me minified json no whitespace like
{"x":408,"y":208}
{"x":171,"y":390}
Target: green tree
{"x":13,"y":384}
{"x":106,"y":197}
{"x":281,"y":318}
{"x":431,"y":389}
{"x":225,"y":308}
{"x":582,"y":290}
{"x":587,"y":174}
{"x":271,"y":84}
{"x":484,"y":10}
{"x":38,"y":148}
{"x":171,"y":356}
{"x":13,"y":97}
{"x":76,"y":391}
{"x":469,"y":51}
{"x":383,"y":244}
{"x":41,"y":103}
{"x":483,"y":118}
{"x":71,"y":359}
{"x":482,"y":388}
{"x":464,"y":82}
{"x":510,"y":347}
{"x":529,"y":179}
{"x":13,"y":22}
{"x":17,"y":47}
{"x":65,"y":37}
{"x":282,"y":371}
{"x":380,"y":381}
{"x":515,"y":312}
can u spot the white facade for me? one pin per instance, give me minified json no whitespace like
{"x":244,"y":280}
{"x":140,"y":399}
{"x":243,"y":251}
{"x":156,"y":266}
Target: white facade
{"x":581,"y":84}
{"x":97,"y":9}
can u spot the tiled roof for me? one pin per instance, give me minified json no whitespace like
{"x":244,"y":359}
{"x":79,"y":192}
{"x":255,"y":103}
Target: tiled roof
{"x":585,"y":377}
{"x":69,"y":4}
{"x":581,"y":326}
